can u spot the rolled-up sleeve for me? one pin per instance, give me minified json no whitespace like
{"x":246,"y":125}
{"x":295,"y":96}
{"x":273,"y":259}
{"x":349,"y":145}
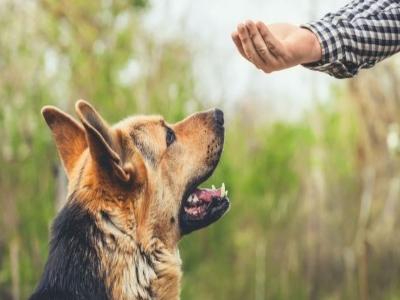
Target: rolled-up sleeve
{"x":357,"y":36}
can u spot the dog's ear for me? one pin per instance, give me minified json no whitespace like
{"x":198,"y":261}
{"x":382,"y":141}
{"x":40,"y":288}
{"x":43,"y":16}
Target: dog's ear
{"x":102,"y":142}
{"x":68,"y":134}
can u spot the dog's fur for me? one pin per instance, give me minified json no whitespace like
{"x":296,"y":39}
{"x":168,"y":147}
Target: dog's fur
{"x":117,"y":235}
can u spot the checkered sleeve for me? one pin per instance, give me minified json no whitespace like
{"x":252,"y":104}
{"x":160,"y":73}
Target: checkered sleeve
{"x":357,"y":36}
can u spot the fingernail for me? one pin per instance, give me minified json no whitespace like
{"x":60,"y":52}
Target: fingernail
{"x":249,"y":22}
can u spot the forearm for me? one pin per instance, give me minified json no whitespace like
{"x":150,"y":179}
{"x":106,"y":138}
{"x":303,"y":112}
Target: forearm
{"x":358,"y":36}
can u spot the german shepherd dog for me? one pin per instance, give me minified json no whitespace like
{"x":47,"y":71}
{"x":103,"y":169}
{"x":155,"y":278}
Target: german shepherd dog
{"x":132,"y":195}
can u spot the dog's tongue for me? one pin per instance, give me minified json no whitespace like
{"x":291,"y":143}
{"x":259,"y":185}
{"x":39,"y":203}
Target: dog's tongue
{"x":207,"y":194}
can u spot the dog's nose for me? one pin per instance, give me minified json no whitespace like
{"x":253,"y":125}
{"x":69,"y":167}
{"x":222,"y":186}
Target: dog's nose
{"x":219,"y":116}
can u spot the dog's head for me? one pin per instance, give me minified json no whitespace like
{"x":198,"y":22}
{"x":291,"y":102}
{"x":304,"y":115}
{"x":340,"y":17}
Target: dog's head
{"x":140,"y":177}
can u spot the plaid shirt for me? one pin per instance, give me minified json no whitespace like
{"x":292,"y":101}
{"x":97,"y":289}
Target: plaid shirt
{"x":357,"y":36}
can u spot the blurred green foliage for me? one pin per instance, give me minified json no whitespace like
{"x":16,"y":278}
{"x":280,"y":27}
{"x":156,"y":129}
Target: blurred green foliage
{"x":294,"y":230}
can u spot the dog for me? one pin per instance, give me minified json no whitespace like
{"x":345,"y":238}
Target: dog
{"x":132,"y":195}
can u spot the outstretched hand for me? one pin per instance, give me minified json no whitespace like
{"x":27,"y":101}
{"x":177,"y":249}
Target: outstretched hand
{"x":277,"y":46}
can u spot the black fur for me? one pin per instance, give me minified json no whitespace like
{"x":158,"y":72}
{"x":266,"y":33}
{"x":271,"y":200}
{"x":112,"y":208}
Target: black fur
{"x":72,"y":269}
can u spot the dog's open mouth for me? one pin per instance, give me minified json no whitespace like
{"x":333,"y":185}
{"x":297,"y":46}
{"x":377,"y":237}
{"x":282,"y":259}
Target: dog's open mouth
{"x":203,"y":207}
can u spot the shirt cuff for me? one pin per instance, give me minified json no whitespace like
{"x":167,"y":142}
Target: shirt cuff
{"x":333,"y":52}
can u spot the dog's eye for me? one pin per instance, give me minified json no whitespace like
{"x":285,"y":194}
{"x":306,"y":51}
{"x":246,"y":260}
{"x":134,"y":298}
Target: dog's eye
{"x":170,"y":136}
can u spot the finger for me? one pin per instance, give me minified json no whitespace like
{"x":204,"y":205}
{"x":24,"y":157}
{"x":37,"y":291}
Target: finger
{"x":259,"y":45}
{"x":248,"y":47}
{"x":273,"y":44}
{"x":238,"y":43}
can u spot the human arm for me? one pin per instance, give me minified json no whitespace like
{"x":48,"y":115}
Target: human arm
{"x":357,"y":36}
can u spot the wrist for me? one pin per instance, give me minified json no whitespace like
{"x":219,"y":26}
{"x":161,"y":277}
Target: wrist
{"x":303,"y":46}
{"x":313,"y":50}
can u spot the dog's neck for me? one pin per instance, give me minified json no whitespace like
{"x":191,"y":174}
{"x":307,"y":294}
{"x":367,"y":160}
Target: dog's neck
{"x":88,"y":261}
{"x":146,"y":272}
{"x":137,"y":264}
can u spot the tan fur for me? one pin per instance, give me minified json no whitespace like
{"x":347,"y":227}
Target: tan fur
{"x":136,"y":199}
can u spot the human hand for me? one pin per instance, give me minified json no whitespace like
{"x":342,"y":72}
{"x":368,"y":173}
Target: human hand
{"x":276,"y":46}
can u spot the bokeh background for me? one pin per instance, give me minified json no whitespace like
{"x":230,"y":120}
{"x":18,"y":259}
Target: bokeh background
{"x":311,"y":163}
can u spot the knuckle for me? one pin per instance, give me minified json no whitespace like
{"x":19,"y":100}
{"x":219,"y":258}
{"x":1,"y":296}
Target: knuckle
{"x":262,"y":50}
{"x":270,"y":45}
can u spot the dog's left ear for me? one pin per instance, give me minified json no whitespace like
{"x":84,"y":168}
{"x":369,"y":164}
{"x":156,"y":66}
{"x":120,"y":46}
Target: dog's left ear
{"x":102,"y":142}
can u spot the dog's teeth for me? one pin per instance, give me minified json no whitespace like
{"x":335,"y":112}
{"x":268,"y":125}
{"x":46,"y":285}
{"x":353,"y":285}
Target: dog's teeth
{"x":195,"y":199}
{"x":191,"y":199}
{"x":213,"y":187}
{"x":223,"y":190}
